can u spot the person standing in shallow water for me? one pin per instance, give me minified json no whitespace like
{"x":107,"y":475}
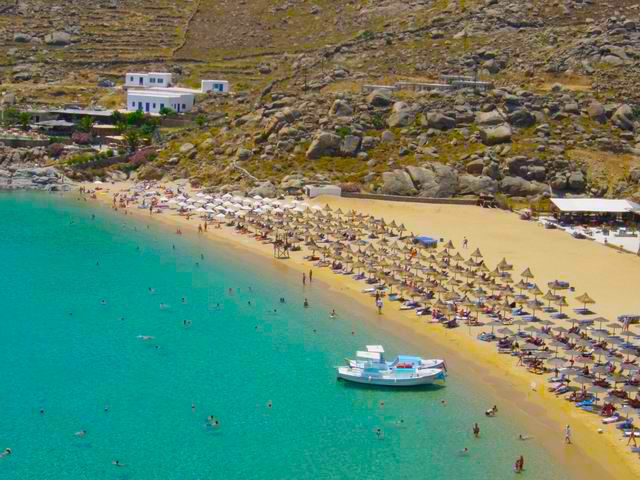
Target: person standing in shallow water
{"x":310,"y":276}
{"x":304,"y":278}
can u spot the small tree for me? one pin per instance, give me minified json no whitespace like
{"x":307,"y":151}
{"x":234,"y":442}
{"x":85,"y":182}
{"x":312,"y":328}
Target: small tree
{"x":24,"y":119}
{"x":165,"y":111}
{"x":85,"y":124}
{"x":132,"y":137}
{"x":201,"y":120}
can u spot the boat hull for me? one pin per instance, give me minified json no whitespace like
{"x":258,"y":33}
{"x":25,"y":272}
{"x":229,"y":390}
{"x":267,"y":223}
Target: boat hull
{"x":350,"y":375}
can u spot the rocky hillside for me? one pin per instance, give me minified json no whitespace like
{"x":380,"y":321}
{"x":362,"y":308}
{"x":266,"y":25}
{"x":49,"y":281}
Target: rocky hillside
{"x":563,"y":116}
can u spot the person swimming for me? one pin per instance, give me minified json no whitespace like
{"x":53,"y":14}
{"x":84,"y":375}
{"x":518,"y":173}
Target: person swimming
{"x":492,"y":411}
{"x":306,"y":303}
{"x":212,"y":421}
{"x":164,"y":305}
{"x":103,"y":301}
{"x":464,"y":451}
{"x":333,"y":313}
{"x":524,"y":437}
{"x":152,"y":290}
{"x":117,"y":463}
{"x":145,"y":337}
{"x":282,"y":300}
{"x":269,"y":404}
{"x":7,"y":451}
{"x":81,"y":433}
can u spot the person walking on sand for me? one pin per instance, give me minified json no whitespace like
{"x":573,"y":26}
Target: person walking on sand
{"x":567,"y":434}
{"x":310,"y":275}
{"x":379,"y":305}
{"x":465,"y":242}
{"x":304,"y":278}
{"x":632,"y":437}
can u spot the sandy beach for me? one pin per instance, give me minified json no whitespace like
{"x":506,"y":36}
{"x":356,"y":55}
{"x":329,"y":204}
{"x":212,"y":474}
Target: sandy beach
{"x":606,"y":274}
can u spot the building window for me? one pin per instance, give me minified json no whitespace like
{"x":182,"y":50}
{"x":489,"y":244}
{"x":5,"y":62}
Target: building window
{"x":160,"y":80}
{"x":152,"y":80}
{"x":161,"y":106}
{"x":131,"y":78}
{"x":184,"y":106}
{"x":154,"y":105}
{"x":133,"y":104}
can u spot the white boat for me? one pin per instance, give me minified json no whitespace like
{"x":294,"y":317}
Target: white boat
{"x":371,"y":368}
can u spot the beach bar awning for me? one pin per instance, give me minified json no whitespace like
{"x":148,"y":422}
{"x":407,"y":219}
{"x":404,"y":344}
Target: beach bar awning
{"x":594,"y":205}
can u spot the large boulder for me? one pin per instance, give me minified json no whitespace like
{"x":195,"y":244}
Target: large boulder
{"x":596,"y":112}
{"x":58,"y":38}
{"x":522,"y":118}
{"x":624,"y":118}
{"x":440,"y":121}
{"x":577,"y":181}
{"x":265,"y":189}
{"x":489,"y":118}
{"x":520,"y":166}
{"x":21,"y":38}
{"x":340,"y":108}
{"x":496,"y":135}
{"x":476,"y":185}
{"x":434,"y":180}
{"x":519,"y":187}
{"x":559,"y":182}
{"x":475,"y":167}
{"x":186,"y":148}
{"x":403,"y":118}
{"x":324,"y":144}
{"x":634,"y":175}
{"x":349,"y":146}
{"x":379,"y":98}
{"x":397,"y":182}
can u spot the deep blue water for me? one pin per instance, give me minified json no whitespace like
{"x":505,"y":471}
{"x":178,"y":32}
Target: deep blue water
{"x":63,"y":350}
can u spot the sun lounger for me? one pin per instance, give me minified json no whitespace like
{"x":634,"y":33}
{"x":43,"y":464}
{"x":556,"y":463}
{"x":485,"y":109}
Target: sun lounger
{"x":585,"y":403}
{"x":558,"y":315}
{"x":612,"y":419}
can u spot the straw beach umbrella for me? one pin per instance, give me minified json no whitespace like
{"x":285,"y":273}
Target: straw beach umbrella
{"x":585,"y":300}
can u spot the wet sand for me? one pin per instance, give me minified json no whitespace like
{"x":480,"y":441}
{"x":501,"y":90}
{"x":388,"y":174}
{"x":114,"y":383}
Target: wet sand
{"x":606,"y":274}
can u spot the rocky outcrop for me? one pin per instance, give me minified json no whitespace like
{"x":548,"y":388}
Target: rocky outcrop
{"x":519,"y":187}
{"x":397,"y":182}
{"x":481,"y":185}
{"x":379,"y":98}
{"x":324,"y":144}
{"x":47,"y":178}
{"x":434,"y":180}
{"x":496,"y":135}
{"x":624,"y":118}
{"x":58,"y":38}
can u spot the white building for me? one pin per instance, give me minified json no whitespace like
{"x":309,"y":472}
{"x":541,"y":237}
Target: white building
{"x":148,"y":80}
{"x":152,"y":101}
{"x":218,"y":86}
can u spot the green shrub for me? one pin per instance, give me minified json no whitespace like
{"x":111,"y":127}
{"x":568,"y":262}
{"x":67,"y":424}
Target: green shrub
{"x":343,"y":131}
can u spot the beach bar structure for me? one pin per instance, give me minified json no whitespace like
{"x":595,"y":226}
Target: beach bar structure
{"x":153,"y":101}
{"x":603,"y":208}
{"x":148,"y":80}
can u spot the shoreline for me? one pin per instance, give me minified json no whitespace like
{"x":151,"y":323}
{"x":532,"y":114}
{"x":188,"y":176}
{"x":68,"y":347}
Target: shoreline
{"x":542,"y":413}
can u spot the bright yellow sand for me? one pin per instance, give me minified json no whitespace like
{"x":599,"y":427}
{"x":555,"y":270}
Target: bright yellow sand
{"x":608,"y":276}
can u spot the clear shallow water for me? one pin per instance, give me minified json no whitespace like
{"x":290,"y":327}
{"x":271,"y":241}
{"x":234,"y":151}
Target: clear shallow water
{"x":229,"y":363}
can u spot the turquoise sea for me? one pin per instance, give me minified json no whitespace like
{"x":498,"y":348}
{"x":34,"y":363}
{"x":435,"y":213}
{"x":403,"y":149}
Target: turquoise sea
{"x":63,"y":351}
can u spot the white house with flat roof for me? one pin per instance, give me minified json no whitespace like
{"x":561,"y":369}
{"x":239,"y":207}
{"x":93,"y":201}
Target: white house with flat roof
{"x":148,"y":80}
{"x":152,"y":101}
{"x":217,"y":86}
